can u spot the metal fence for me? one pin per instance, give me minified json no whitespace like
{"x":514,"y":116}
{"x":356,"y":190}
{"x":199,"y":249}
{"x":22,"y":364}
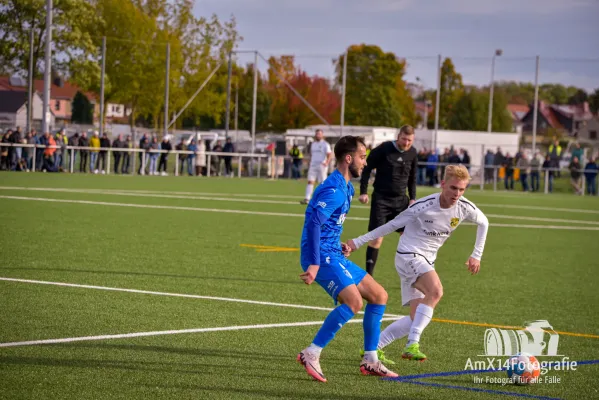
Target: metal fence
{"x":75,"y":159}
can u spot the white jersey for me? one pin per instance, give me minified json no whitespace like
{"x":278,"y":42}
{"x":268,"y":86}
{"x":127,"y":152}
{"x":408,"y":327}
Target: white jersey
{"x":427,"y":227}
{"x":319,"y":151}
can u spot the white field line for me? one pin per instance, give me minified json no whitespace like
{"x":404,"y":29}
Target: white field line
{"x":173,"y":332}
{"x":189,"y":296}
{"x":213,"y":196}
{"x":240,"y":200}
{"x":275,"y":214}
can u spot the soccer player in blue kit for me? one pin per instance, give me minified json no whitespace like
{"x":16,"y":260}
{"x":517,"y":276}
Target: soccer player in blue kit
{"x":323,"y":260}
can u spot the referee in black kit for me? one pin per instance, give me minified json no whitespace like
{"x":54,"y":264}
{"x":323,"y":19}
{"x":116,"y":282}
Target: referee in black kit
{"x":396,"y":165}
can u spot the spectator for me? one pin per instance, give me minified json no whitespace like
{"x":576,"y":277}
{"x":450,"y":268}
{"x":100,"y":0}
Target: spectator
{"x":59,"y":152}
{"x":48,"y":164}
{"x":431,"y":168}
{"x":535,"y":167}
{"x":4,"y":151}
{"x":153,"y":152}
{"x":508,"y":164}
{"x":128,"y":144}
{"x":201,"y":158}
{"x":549,"y":173}
{"x":489,"y":162}
{"x":64,"y":151}
{"x":118,"y":143}
{"x":218,"y":147}
{"x":191,"y":157}
{"x":16,"y":151}
{"x":296,"y":159}
{"x":28,"y":152}
{"x":578,"y":152}
{"x":422,"y":157}
{"x":229,"y":148}
{"x":144,"y":145}
{"x":40,"y":141}
{"x":74,"y":142}
{"x":83,"y":153}
{"x":165,"y":146}
{"x":182,"y":157}
{"x":465,"y":157}
{"x":104,"y":144}
{"x":94,"y":143}
{"x":555,"y":155}
{"x":590,"y":174}
{"x":575,"y":175}
{"x":524,"y":166}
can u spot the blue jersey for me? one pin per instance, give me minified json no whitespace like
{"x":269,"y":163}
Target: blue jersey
{"x":325,"y":215}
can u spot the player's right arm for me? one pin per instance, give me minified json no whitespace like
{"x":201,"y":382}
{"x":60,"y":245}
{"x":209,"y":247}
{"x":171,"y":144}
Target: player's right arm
{"x":396,"y":223}
{"x":371,"y":163}
{"x":325,"y":203}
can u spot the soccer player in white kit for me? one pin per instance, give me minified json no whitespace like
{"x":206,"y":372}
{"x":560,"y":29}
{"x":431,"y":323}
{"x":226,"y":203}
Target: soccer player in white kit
{"x":428,"y":223}
{"x":320,"y":158}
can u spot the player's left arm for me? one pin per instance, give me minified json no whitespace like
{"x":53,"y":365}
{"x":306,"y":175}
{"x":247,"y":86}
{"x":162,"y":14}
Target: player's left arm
{"x":482,"y":223}
{"x":412,"y":181}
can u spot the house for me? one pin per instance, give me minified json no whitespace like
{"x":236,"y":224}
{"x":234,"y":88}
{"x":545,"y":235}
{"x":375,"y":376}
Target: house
{"x":13,"y":110}
{"x":555,"y":119}
{"x":517,"y":112}
{"x":62,"y":94}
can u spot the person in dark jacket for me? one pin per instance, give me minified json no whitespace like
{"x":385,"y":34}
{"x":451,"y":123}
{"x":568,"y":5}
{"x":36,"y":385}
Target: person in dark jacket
{"x":590,"y":173}
{"x":229,"y":148}
{"x":118,"y":143}
{"x":83,"y":154}
{"x":166,"y":146}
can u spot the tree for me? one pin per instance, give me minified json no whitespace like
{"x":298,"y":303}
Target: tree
{"x":594,"y":101}
{"x":451,"y":91}
{"x":375,"y":91}
{"x":471,"y":112}
{"x":246,"y":93}
{"x":579,"y":97}
{"x":73,"y":22}
{"x":82,"y":110}
{"x":287,"y":110}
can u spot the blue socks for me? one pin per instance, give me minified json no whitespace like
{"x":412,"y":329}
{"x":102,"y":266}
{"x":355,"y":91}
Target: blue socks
{"x":373,"y":314}
{"x":334,"y":321}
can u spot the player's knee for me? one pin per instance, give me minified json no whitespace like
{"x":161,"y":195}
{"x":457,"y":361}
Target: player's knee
{"x":381,"y":297}
{"x":355,"y":304}
{"x":436,"y":293}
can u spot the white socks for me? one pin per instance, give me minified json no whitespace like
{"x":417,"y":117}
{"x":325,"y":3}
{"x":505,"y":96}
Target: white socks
{"x":309,"y":190}
{"x":396,"y":330}
{"x":423,"y":316}
{"x":315,"y":349}
{"x":371,"y":356}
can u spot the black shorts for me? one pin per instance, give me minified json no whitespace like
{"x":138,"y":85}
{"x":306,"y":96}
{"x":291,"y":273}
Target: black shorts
{"x":383,"y":209}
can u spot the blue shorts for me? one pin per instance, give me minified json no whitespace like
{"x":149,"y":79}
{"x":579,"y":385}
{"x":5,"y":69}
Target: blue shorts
{"x":336,"y":273}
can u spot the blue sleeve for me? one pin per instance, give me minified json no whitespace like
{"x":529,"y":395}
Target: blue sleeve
{"x":324,"y":203}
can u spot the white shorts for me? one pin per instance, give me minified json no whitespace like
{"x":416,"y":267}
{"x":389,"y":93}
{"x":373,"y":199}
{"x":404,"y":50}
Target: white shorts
{"x":410,"y":267}
{"x":317,"y":173}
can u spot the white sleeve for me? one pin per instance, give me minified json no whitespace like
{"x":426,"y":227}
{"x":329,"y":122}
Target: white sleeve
{"x":328,"y":148}
{"x":481,"y":220}
{"x":398,"y":222}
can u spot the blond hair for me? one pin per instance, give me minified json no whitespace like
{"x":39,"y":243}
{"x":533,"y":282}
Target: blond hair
{"x":406,"y":130}
{"x":456,"y":171}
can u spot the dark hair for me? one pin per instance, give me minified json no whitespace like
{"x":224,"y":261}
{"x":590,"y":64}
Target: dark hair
{"x":348,"y":145}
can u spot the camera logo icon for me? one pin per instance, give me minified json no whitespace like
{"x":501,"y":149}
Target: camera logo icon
{"x":537,"y":338}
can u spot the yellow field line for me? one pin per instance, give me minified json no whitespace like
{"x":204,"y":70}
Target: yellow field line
{"x":277,"y":249}
{"x":262,"y":248}
{"x":451,"y":321}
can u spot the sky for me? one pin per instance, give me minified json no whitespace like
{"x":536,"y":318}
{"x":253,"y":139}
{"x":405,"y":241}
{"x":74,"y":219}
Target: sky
{"x":564,"y":33}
